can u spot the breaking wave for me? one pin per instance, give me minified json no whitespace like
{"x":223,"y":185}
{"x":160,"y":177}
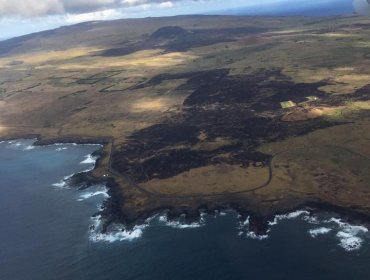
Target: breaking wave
{"x":118,"y":232}
{"x":253,"y":235}
{"x":351,"y":237}
{"x":89,"y":159}
{"x":90,"y":194}
{"x":115,"y":233}
{"x":20,"y":145}
{"x":244,"y":225}
{"x":245,"y":231}
{"x":29,"y":147}
{"x":63,"y":183}
{"x":180,"y":223}
{"x":292,"y":215}
{"x":319,"y":231}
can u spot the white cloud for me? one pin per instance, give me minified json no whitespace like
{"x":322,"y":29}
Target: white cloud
{"x":134,"y":2}
{"x":92,"y":16}
{"x":165,"y":5}
{"x":88,"y":5}
{"x":41,"y":8}
{"x":30,"y":8}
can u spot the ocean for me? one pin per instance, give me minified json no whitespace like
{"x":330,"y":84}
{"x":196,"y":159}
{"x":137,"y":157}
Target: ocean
{"x":294,"y":8}
{"x":48,"y":232}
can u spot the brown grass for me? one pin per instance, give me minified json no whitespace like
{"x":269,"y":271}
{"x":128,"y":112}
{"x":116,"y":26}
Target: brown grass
{"x":208,"y":180}
{"x":304,"y":167}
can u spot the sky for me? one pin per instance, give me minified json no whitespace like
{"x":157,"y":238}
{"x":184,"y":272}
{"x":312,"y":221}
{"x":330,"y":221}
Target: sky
{"x":18,"y":17}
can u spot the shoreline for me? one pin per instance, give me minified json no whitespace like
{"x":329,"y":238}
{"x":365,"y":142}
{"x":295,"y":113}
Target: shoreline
{"x":259,"y":224}
{"x":112,"y":211}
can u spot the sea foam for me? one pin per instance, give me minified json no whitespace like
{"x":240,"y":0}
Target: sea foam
{"x":60,"y":184}
{"x":319,"y":231}
{"x":63,"y":183}
{"x":29,"y":147}
{"x":244,"y":225}
{"x":180,"y":224}
{"x":115,"y":232}
{"x":253,"y":235}
{"x":292,"y":215}
{"x":348,"y":241}
{"x":244,"y":229}
{"x":351,"y":237}
{"x":89,"y":159}
{"x":19,"y":145}
{"x":88,"y":195}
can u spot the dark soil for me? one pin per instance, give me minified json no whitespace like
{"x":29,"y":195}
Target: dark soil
{"x":245,"y":109}
{"x":178,"y":39}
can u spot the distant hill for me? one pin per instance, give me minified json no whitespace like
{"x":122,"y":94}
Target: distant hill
{"x":124,"y":36}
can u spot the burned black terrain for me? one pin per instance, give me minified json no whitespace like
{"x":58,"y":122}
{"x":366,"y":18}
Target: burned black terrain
{"x":262,"y":115}
{"x":178,"y":39}
{"x":240,"y":111}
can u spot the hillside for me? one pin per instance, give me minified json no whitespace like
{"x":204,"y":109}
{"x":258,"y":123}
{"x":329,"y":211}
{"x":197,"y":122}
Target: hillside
{"x":261,"y":114}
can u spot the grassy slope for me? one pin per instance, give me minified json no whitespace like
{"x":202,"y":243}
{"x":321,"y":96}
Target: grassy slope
{"x":57,"y":85}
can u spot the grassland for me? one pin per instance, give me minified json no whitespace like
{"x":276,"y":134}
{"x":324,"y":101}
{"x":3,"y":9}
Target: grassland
{"x":259,"y":114}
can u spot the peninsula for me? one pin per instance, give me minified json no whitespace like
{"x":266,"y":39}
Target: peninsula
{"x":259,"y":114}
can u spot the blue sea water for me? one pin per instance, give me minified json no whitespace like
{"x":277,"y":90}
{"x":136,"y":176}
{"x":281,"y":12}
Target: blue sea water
{"x":314,"y":8}
{"x":45,"y":233}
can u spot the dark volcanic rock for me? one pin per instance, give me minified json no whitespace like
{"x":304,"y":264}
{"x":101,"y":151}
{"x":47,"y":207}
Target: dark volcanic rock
{"x":221,"y":105}
{"x":168,"y":32}
{"x":178,"y":39}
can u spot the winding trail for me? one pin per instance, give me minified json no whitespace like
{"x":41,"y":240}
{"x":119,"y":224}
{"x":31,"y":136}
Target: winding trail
{"x":268,"y":181}
{"x":155,"y":194}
